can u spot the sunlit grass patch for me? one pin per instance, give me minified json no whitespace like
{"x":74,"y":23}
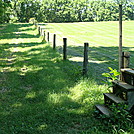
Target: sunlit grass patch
{"x":85,"y":91}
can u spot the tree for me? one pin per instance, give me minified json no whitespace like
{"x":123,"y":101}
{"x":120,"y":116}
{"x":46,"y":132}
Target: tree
{"x":5,"y":7}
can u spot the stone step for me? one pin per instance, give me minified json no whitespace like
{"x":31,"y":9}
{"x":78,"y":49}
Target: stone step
{"x":124,"y":85}
{"x":112,"y":97}
{"x":128,"y":71}
{"x":103,"y":109}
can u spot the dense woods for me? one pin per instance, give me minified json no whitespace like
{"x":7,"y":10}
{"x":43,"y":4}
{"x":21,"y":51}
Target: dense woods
{"x":63,"y":10}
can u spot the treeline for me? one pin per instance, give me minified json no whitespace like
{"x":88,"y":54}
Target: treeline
{"x":64,"y":10}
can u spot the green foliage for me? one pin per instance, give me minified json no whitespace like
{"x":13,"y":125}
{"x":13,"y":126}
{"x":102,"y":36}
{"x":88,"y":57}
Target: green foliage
{"x":63,"y":10}
{"x":5,"y":10}
{"x":32,"y":20}
{"x":120,"y":121}
{"x":112,"y":75}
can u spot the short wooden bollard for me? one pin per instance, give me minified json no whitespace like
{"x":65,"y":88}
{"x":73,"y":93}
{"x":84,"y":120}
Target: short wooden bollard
{"x":44,"y":36}
{"x":85,"y":61}
{"x":54,"y":41}
{"x":64,"y":48}
{"x":125,"y":59}
{"x":48,"y":36}
{"x":39,"y":30}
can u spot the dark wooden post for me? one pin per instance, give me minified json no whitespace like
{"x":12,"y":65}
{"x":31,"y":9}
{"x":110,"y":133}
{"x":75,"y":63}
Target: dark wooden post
{"x":44,"y":36}
{"x":48,"y":36}
{"x":85,"y":62}
{"x":125,"y":59}
{"x":54,"y":41}
{"x":125,"y":62}
{"x":39,"y":30}
{"x":64,"y":48}
{"x":120,"y":37}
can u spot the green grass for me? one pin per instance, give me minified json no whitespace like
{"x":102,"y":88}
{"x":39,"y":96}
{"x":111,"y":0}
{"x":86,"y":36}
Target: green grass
{"x":102,"y":38}
{"x":42,"y":94}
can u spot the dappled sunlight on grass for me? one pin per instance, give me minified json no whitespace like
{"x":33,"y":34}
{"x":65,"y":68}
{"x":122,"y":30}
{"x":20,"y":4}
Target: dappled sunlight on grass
{"x":27,"y":69}
{"x":55,"y":98}
{"x":17,"y":104}
{"x":30,"y":95}
{"x":85,"y":91}
{"x":42,"y":94}
{"x":43,"y":126}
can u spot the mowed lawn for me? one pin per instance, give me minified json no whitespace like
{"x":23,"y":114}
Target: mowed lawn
{"x":103,"y":39}
{"x":42,"y":94}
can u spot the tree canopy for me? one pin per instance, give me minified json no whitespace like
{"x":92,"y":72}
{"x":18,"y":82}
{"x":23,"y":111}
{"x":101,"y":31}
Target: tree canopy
{"x":64,"y":10}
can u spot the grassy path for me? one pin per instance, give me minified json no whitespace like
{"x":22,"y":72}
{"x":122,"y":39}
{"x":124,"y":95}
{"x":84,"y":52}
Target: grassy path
{"x":38,"y":90}
{"x":41,"y":94}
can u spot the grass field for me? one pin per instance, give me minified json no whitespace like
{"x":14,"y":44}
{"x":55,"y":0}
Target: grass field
{"x":102,"y":38}
{"x":42,"y":94}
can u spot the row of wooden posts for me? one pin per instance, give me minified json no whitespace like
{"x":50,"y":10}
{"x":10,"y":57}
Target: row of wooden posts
{"x":86,"y":45}
{"x":125,"y":55}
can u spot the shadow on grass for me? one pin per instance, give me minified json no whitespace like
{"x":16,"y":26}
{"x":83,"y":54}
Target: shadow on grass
{"x":100,"y":58}
{"x":36,"y":87}
{"x":16,"y":31}
{"x":34,"y":91}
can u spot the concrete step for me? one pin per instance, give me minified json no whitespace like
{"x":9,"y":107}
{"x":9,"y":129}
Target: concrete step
{"x":112,"y":98}
{"x":103,"y":109}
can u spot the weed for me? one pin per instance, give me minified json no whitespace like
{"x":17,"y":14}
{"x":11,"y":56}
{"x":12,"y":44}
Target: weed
{"x":111,"y":76}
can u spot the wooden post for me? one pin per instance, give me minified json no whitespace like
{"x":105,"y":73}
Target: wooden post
{"x":85,"y":62}
{"x":39,"y":30}
{"x":125,"y":59}
{"x":120,"y":37}
{"x":64,"y":48}
{"x":48,"y":36}
{"x":125,"y":62}
{"x":44,"y":36}
{"x":54,"y":41}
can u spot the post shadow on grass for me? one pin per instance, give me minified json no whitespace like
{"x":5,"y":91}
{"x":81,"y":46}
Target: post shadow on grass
{"x":100,"y":58}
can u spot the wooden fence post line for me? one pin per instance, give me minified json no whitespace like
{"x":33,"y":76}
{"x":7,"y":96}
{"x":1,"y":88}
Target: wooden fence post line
{"x":125,"y":59}
{"x":64,"y":48}
{"x":48,"y":36}
{"x":85,"y":62}
{"x":54,"y":41}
